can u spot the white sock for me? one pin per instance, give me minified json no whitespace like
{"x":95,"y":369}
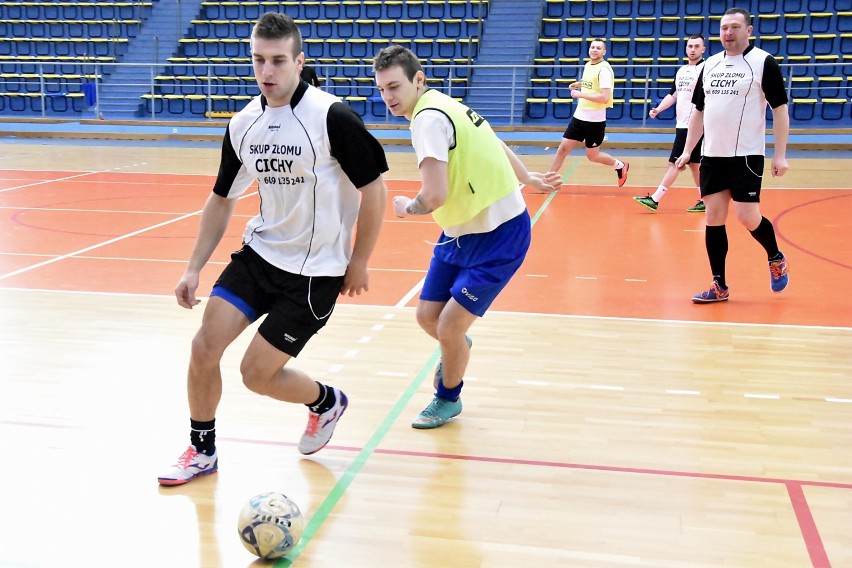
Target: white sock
{"x":618,"y":164}
{"x":658,"y":195}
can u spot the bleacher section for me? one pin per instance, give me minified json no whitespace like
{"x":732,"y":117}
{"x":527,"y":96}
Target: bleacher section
{"x":645,"y":45}
{"x":51,"y":52}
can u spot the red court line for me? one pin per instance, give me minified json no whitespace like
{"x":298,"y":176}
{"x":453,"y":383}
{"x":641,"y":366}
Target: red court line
{"x":816,"y":549}
{"x":561,"y":465}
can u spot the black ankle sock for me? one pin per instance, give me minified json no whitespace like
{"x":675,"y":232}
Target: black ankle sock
{"x":325,"y":401}
{"x":765,"y":235}
{"x":203,"y":436}
{"x":716,"y":241}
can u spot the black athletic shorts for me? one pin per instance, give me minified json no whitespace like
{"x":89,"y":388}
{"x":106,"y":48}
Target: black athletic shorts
{"x":297,"y":306}
{"x":592,"y":132}
{"x":741,"y":174}
{"x":680,"y":144}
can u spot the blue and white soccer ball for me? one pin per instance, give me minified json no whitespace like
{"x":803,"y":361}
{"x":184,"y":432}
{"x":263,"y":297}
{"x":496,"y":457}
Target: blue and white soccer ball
{"x":270,"y":525}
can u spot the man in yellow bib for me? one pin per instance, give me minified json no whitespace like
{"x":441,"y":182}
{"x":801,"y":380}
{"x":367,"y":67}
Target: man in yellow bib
{"x":593,"y":94}
{"x":470,"y":186}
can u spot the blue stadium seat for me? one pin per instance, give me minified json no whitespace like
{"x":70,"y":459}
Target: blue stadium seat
{"x":365,"y":28}
{"x":826,"y":65}
{"x":671,"y":26}
{"x":846,"y":44}
{"x":551,"y":28}
{"x":618,"y":47}
{"x":554,"y":9}
{"x":597,"y":27}
{"x":794,"y":23}
{"x":832,"y":109}
{"x":668,"y":67}
{"x":818,"y":6}
{"x":536,"y":107}
{"x":669,"y":47}
{"x":436,"y":8}
{"x":373,"y":9}
{"x":830,"y":87}
{"x":790,"y":6}
{"x":575,"y":27}
{"x":393,"y":10}
{"x":694,"y":25}
{"x":423,"y":48}
{"x":768,"y":6}
{"x":802,"y":87}
{"x":600,"y":8}
{"x":767,"y":24}
{"x":643,"y":47}
{"x":414,"y":9}
{"x":541,"y":88}
{"x":844,"y":22}
{"x":796,"y":44}
{"x":770,"y":43}
{"x":653,"y":8}
{"x":562,"y":108}
{"x":693,"y":7}
{"x":822,"y":23}
{"x":577,"y":8}
{"x":804,"y":109}
{"x":547,"y":47}
{"x":623,"y":8}
{"x":823,"y":44}
{"x":573,"y":47}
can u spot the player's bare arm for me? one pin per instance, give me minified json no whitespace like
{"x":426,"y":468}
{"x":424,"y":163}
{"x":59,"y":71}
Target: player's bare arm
{"x":215,"y":217}
{"x":370,"y":214}
{"x":432,"y":194}
{"x":780,"y":133}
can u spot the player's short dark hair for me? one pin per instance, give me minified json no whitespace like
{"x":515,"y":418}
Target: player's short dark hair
{"x":744,"y":12}
{"x":394,"y":55}
{"x":600,"y":39}
{"x":273,"y":25}
{"x":698,"y":36}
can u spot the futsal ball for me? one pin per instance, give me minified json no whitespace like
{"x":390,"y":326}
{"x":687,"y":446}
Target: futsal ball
{"x":270,"y":525}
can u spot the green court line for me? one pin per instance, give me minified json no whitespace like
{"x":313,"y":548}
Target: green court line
{"x":324,"y":510}
{"x":322,"y":513}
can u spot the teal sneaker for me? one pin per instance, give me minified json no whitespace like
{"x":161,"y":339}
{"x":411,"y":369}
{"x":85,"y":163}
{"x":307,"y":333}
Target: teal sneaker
{"x":437,"y":413}
{"x":439,"y":370}
{"x":698,"y":207}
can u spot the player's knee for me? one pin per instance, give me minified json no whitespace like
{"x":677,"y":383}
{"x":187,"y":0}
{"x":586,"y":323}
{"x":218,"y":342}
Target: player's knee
{"x":254,"y":378}
{"x":205,"y":348}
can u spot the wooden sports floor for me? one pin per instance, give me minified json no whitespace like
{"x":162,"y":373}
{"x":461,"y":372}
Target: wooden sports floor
{"x":608,"y":421}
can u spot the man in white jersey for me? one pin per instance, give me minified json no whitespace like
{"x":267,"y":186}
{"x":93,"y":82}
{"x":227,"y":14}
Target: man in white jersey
{"x":730,"y":111}
{"x":593,"y":94}
{"x":319,"y":174}
{"x":681,"y":93}
{"x":470,"y":186}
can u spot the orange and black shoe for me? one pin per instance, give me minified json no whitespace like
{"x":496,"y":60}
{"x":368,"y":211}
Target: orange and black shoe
{"x":622,"y":174}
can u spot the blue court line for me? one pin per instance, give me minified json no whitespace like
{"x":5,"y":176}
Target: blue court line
{"x":324,"y":510}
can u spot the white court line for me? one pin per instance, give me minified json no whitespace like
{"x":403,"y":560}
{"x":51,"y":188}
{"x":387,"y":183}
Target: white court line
{"x":410,"y":294}
{"x":75,"y":176}
{"x":495,"y":312}
{"x":762,"y":396}
{"x":832,"y":399}
{"x":680,"y":391}
{"x":606,"y":387}
{"x":105,"y":243}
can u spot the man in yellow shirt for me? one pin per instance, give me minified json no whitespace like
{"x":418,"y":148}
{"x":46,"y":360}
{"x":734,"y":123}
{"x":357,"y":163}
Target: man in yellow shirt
{"x":470,"y":186}
{"x":593,"y":94}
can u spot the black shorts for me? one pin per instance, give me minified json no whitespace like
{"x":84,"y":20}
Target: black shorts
{"x":680,"y":144}
{"x":297,"y":306}
{"x":580,"y":130}
{"x":741,"y":174}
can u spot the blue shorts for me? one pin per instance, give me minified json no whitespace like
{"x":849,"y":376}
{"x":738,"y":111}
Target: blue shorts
{"x":474,"y":269}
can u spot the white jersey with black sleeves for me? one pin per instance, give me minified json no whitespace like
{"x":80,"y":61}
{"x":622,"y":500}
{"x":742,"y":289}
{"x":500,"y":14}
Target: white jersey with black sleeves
{"x":309,"y":158}
{"x":732,"y":92}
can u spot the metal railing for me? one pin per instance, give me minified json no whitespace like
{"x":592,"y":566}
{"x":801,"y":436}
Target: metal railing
{"x":226,"y":87}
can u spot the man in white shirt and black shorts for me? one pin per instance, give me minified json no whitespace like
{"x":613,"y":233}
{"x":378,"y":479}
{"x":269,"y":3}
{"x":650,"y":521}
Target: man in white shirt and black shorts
{"x":730,"y":100}
{"x":319,"y":174}
{"x":681,"y":96}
